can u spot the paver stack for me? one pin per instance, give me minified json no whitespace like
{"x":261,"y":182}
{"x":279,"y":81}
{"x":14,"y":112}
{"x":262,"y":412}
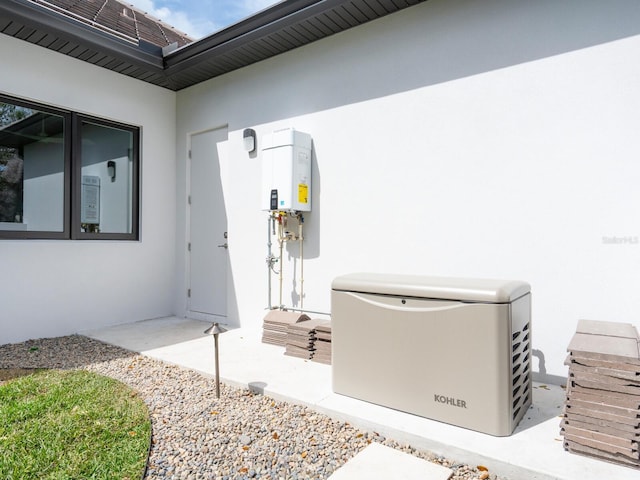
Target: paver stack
{"x":322,"y":345}
{"x":602,"y":409}
{"x":309,"y":339}
{"x":275,"y":324}
{"x":301,"y":338}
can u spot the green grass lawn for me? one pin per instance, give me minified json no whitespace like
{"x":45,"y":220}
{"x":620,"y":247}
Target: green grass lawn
{"x":72,"y":425}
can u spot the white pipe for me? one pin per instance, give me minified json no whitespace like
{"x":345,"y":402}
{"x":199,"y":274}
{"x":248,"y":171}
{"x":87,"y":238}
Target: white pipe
{"x":291,"y":309}
{"x":281,"y":240}
{"x":300,"y":239}
{"x":269,"y":264}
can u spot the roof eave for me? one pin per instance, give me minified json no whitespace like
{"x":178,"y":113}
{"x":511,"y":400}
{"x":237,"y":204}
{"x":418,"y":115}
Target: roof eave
{"x":260,"y":24}
{"x":275,"y":30}
{"x":48,"y":21}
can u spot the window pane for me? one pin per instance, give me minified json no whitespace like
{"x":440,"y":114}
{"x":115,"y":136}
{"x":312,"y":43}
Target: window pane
{"x":32,"y":170}
{"x":106,"y":198}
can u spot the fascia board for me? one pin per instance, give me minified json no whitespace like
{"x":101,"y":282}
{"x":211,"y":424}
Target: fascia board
{"x":258,"y":26}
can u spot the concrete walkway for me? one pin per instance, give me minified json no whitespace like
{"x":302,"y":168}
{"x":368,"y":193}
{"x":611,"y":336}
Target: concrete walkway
{"x":534,"y":451}
{"x":379,"y":462}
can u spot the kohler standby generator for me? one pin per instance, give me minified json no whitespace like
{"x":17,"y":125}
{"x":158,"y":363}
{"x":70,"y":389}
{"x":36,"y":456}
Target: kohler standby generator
{"x":449,"y":349}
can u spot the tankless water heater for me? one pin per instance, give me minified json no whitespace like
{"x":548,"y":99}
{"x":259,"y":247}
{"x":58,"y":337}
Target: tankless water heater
{"x":286,"y":171}
{"x":449,"y":349}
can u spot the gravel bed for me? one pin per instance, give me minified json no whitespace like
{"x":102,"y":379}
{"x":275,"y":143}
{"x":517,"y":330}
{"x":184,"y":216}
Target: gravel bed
{"x":242,"y":435}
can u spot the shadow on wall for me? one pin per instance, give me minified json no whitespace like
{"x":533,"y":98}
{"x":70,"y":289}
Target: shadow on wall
{"x":541,"y":374}
{"x":442,"y":41}
{"x":233,"y":313}
{"x":311,"y":235}
{"x":311,"y":227}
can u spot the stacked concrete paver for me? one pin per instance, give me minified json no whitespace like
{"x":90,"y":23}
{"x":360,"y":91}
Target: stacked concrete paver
{"x":602,"y":409}
{"x":301,"y":338}
{"x":322,"y":345}
{"x":276,"y":323}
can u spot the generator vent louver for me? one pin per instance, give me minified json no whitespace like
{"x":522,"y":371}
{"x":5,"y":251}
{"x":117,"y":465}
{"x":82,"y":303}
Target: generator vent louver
{"x":521,"y":370}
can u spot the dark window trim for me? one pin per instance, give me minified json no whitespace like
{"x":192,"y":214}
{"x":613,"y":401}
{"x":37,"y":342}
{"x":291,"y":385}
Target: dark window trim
{"x":72,"y":178}
{"x":76,"y":232}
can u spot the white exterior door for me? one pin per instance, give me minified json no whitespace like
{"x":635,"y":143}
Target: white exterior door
{"x":208,"y":256}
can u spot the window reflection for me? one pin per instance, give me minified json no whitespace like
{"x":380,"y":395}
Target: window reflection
{"x":106,"y":196}
{"x":32,"y":169}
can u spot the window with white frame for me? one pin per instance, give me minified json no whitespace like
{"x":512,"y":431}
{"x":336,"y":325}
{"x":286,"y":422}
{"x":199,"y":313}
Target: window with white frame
{"x":64,"y":175}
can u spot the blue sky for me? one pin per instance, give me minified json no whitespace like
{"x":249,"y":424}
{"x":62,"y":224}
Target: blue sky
{"x":199,"y":18}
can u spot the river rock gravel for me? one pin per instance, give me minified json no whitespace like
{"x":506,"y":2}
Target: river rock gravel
{"x":241,"y":435}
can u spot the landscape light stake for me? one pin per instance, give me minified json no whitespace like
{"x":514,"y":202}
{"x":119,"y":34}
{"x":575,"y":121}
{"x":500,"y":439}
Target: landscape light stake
{"x":216,"y":330}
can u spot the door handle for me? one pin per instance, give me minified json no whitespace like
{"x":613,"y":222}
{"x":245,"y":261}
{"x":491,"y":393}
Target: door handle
{"x":224,"y":245}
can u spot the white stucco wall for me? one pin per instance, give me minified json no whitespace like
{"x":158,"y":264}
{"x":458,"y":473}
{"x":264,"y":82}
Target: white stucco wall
{"x":52,"y":288}
{"x":493,"y":139}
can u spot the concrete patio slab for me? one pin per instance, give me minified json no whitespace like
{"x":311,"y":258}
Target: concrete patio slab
{"x":534,"y":451}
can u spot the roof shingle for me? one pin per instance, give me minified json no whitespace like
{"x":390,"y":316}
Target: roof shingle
{"x":119,"y":18}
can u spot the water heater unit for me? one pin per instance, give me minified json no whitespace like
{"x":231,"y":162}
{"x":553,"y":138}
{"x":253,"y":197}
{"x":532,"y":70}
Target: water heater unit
{"x":286,"y":171}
